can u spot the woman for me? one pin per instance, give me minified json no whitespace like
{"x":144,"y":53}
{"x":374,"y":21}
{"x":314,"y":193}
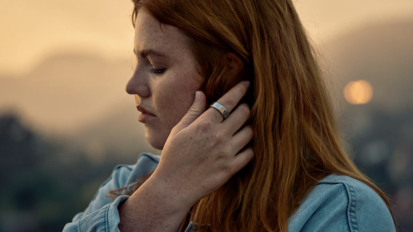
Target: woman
{"x":275,"y":163}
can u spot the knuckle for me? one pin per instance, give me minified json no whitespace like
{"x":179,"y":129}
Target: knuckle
{"x":231,"y":101}
{"x":227,"y":151}
{"x":228,"y":169}
{"x":219,"y":137}
{"x":204,"y":125}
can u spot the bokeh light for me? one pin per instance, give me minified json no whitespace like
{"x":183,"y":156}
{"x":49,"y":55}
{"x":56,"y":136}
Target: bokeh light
{"x":358,"y":92}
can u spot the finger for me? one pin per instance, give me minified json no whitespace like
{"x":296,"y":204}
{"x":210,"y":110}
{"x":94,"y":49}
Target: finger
{"x":197,"y":108}
{"x":242,"y":159}
{"x":229,"y":100}
{"x":237,"y":118}
{"x":241,"y":139}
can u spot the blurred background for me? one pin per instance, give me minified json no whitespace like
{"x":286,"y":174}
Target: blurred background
{"x":66,"y":120}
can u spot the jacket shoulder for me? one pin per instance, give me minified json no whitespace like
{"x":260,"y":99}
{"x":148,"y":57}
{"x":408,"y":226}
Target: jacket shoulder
{"x":366,"y":210}
{"x":342,"y":203}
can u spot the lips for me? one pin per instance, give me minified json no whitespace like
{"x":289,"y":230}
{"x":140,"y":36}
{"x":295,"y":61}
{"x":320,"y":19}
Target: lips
{"x":144,"y":111}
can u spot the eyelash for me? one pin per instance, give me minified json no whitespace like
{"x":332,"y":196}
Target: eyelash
{"x":158,"y":71}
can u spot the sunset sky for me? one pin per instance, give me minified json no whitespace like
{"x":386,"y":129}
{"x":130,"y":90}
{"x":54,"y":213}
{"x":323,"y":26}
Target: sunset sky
{"x":31,"y":31}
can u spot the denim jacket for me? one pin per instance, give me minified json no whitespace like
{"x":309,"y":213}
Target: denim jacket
{"x":337,"y":203}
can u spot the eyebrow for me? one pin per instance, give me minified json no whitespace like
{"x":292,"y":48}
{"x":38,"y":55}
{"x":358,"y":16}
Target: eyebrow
{"x":147,"y":52}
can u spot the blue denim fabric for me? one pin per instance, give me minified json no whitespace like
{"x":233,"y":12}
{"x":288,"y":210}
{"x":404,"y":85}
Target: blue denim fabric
{"x":337,"y":203}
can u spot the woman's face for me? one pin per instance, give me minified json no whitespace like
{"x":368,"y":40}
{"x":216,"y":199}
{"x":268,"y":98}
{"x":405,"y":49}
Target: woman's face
{"x":165,"y":79}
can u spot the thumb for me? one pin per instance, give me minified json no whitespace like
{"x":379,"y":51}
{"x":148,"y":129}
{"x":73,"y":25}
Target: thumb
{"x":197,"y":108}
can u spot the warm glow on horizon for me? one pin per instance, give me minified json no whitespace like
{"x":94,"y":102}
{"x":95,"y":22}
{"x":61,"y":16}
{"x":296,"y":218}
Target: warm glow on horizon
{"x":358,"y":92}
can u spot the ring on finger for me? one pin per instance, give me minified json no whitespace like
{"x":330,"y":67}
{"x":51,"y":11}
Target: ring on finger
{"x":221,"y":109}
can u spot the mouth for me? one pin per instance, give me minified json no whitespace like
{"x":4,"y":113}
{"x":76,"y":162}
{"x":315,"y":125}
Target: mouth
{"x":146,"y":115}
{"x":144,"y":111}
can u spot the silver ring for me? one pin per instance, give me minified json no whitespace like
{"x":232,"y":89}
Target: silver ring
{"x":221,"y":109}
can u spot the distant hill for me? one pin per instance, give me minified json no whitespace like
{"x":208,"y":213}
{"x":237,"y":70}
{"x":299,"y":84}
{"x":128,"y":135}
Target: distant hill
{"x":82,"y":99}
{"x":67,"y":91}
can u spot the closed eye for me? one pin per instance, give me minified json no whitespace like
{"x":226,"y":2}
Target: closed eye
{"x":157,"y":71}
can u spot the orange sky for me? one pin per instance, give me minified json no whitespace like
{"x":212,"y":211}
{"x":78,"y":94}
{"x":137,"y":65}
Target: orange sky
{"x":32,"y":30}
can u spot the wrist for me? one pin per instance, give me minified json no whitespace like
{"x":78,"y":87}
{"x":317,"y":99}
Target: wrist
{"x":169,"y":193}
{"x":152,"y":207}
{"x":174,"y":191}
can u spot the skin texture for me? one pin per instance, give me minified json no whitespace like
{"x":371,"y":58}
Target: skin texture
{"x":169,"y":94}
{"x":200,"y":150}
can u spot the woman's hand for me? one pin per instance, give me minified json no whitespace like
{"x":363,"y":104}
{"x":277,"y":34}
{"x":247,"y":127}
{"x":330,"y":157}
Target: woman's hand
{"x":202,"y":151}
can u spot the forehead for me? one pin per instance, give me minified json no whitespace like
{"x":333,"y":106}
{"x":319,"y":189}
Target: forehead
{"x":150,"y":34}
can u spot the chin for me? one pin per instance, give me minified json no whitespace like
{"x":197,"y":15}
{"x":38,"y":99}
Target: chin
{"x":154,"y":139}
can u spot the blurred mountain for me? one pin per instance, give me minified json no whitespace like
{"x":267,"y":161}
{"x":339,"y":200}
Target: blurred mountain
{"x":380,"y":54}
{"x":82,"y":99}
{"x":66,"y":91}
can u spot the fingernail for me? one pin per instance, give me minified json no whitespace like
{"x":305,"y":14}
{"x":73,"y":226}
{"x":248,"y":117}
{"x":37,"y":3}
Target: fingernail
{"x":197,"y":96}
{"x":247,"y":84}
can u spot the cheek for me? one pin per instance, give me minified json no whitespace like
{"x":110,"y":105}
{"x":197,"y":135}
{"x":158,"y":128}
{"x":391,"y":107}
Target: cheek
{"x":174,"y":105}
{"x":176,"y":99}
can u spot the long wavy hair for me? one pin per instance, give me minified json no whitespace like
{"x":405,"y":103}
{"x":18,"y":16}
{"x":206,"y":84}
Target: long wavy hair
{"x":296,"y":140}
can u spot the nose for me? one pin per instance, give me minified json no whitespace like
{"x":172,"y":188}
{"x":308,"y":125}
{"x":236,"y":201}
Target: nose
{"x":138,"y":85}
